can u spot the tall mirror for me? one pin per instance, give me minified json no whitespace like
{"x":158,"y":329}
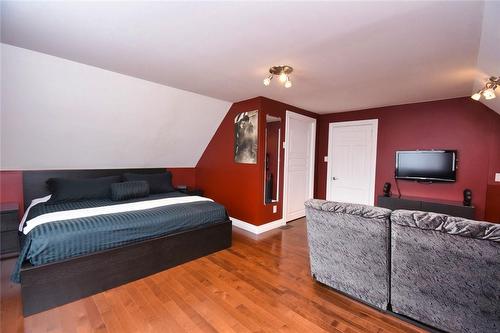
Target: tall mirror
{"x":272,"y":164}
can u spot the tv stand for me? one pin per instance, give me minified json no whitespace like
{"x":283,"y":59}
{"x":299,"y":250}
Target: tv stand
{"x":453,"y":208}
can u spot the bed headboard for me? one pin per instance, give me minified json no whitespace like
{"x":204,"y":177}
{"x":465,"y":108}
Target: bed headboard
{"x":35,"y":186}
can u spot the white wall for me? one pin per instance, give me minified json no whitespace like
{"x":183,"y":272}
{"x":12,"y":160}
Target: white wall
{"x":488,"y":60}
{"x":60,"y":114}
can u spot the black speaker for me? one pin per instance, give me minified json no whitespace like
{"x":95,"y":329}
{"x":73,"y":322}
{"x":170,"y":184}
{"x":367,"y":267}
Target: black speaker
{"x":467,"y":197}
{"x":387,"y":189}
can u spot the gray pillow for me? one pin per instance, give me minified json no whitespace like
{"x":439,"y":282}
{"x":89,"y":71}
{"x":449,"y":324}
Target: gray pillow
{"x":73,"y":189}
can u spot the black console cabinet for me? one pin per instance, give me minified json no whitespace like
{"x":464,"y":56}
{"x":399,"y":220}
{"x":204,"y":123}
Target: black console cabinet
{"x":453,"y":208}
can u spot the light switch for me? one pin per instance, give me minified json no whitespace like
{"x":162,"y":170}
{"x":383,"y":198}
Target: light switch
{"x":325,"y":158}
{"x":497,"y":177}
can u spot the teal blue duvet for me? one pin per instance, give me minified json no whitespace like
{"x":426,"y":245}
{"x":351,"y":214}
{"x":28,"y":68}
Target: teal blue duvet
{"x":55,"y":241}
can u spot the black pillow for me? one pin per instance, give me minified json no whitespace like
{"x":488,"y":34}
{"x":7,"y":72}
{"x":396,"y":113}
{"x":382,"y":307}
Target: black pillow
{"x":158,"y":182}
{"x":129,"y":190}
{"x":68,"y":189}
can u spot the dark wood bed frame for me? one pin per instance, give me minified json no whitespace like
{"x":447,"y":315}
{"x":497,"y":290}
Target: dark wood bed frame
{"x":47,"y":286}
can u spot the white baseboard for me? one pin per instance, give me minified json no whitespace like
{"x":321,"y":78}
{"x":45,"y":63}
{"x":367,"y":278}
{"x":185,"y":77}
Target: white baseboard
{"x":257,"y":229}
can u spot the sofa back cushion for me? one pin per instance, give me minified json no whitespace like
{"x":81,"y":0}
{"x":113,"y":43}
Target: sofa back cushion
{"x":446,"y":224}
{"x":361,"y":211}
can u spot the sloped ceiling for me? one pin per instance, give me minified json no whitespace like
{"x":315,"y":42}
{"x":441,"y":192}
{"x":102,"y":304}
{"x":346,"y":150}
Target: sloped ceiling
{"x":346,"y":55}
{"x":60,"y":114}
{"x":488,"y":60}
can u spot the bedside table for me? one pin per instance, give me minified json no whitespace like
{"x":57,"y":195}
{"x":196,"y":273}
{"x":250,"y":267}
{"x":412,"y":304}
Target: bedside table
{"x":9,"y":224}
{"x":191,"y":191}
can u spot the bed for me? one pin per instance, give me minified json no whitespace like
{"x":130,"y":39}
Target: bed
{"x":103,"y":243}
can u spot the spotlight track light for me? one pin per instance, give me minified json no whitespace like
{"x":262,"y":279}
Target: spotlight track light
{"x":488,"y":92}
{"x":283,"y":72}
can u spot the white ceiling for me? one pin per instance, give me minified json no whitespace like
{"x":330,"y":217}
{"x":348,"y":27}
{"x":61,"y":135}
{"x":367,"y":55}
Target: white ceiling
{"x":346,"y":55}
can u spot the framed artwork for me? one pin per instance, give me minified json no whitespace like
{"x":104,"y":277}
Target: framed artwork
{"x":246,"y":137}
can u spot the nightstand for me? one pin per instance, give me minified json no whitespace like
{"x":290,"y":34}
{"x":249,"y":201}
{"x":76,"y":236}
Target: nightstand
{"x":9,"y":224}
{"x":191,"y":191}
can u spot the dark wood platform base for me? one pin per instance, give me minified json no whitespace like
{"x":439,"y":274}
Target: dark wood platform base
{"x":47,"y":286}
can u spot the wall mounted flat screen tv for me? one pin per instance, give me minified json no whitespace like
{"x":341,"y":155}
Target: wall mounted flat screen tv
{"x":427,"y":165}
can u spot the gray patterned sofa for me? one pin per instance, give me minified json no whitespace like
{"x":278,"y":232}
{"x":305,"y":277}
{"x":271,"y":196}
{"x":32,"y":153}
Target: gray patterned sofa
{"x":445,"y":271}
{"x":440,"y":270}
{"x":349,"y":249}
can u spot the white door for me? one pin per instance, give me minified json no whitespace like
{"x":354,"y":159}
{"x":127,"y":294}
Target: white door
{"x":352,"y":153}
{"x":300,"y":139}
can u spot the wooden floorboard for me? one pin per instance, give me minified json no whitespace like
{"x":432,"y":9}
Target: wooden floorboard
{"x":261,"y":284}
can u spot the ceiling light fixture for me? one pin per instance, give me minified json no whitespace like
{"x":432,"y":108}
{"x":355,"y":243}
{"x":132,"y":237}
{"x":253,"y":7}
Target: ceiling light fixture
{"x":283,"y":72}
{"x":488,"y":92}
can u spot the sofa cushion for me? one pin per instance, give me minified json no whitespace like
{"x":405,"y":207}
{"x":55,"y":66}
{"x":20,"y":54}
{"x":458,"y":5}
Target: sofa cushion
{"x":363,"y":211}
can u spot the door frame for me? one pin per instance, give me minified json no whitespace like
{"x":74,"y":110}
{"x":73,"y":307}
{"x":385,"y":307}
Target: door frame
{"x":290,"y":115}
{"x":374,"y":124}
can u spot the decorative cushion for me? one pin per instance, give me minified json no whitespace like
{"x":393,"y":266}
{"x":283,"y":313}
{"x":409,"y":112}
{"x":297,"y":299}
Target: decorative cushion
{"x":158,"y":182}
{"x":129,"y":190}
{"x":68,"y":189}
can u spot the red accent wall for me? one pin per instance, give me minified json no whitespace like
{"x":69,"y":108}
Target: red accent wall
{"x":11,"y":188}
{"x":492,"y":210}
{"x":494,"y":158}
{"x":460,"y":123}
{"x":183,"y":176}
{"x":277,"y":109}
{"x":11,"y":184}
{"x":493,"y":204}
{"x":240,"y":187}
{"x":236,"y":186}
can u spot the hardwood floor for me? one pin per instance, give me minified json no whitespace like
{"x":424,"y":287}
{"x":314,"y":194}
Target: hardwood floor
{"x":261,"y":284}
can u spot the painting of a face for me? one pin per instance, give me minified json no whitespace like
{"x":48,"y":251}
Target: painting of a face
{"x":245,"y":137}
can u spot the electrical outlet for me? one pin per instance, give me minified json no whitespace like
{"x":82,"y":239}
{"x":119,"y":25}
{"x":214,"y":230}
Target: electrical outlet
{"x":325,"y":158}
{"x":275,"y":209}
{"x":497,"y":177}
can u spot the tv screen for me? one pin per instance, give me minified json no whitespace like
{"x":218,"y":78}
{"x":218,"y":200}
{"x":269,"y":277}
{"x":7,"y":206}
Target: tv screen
{"x":426,"y":165}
